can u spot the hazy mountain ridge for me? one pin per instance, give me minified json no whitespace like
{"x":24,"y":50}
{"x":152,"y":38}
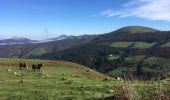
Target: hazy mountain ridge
{"x":23,"y":40}
{"x":30,"y":49}
{"x":64,"y":37}
{"x":17,"y":40}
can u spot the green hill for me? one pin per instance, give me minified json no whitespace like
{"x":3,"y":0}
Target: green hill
{"x":121,"y":44}
{"x":136,"y":29}
{"x":65,"y":80}
{"x":56,"y":80}
{"x":133,"y":44}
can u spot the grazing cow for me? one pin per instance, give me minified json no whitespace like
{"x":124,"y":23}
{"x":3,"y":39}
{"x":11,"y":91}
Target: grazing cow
{"x":24,"y":65}
{"x":37,"y":66}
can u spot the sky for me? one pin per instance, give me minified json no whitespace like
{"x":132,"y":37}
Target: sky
{"x":43,"y":19}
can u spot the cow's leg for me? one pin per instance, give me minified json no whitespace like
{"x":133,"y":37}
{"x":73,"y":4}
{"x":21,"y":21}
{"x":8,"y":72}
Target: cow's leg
{"x":27,"y":68}
{"x":33,"y":69}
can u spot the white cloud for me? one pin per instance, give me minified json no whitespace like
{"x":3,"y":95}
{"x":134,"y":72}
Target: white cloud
{"x":109,"y":13}
{"x":148,"y":9}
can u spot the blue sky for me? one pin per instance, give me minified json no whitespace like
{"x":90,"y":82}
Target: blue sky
{"x":41,"y":19}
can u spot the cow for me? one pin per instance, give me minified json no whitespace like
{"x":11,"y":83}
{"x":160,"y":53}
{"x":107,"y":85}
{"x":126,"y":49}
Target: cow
{"x":23,"y":65}
{"x":37,"y":66}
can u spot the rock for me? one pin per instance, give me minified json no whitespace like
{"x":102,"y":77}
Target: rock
{"x":106,"y":79}
{"x":22,"y":80}
{"x":63,"y":74}
{"x":63,"y":78}
{"x":9,"y":70}
{"x":75,"y":75}
{"x":15,"y":73}
{"x":119,"y":79}
{"x":19,"y":74}
{"x":110,"y":91}
{"x":113,"y":79}
{"x":82,"y":87}
{"x":87,"y":70}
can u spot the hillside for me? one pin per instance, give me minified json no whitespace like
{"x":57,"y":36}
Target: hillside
{"x":136,"y":29}
{"x":122,"y":44}
{"x":57,"y":79}
{"x":16,"y":40}
{"x":65,"y":80}
{"x":31,"y":49}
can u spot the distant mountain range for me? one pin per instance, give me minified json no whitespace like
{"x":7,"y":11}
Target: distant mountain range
{"x":23,"y":40}
{"x":17,"y":40}
{"x":22,"y":47}
{"x":64,"y":37}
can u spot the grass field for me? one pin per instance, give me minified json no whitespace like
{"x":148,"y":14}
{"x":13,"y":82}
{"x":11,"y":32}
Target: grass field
{"x":69,"y":81}
{"x":134,"y":59}
{"x":113,"y":57}
{"x":36,"y":52}
{"x":166,"y":44}
{"x":136,"y":44}
{"x":150,"y":60}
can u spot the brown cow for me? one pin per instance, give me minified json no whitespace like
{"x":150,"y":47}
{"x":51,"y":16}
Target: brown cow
{"x":24,"y":65}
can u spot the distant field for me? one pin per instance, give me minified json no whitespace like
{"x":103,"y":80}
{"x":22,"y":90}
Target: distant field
{"x":135,"y":44}
{"x":65,"y":80}
{"x":150,"y":60}
{"x":118,"y":71}
{"x":159,"y":61}
{"x":36,"y":52}
{"x":134,"y":59}
{"x":166,"y":44}
{"x":112,"y":57}
{"x":150,"y":64}
{"x":121,"y":44}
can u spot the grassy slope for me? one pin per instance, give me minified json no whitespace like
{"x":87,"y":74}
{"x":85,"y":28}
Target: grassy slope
{"x":59,"y":80}
{"x":137,"y":29}
{"x":166,"y":44}
{"x":136,"y":44}
{"x":151,"y":60}
{"x":64,"y":80}
{"x":163,"y":64}
{"x":36,"y":52}
{"x":113,"y":57}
